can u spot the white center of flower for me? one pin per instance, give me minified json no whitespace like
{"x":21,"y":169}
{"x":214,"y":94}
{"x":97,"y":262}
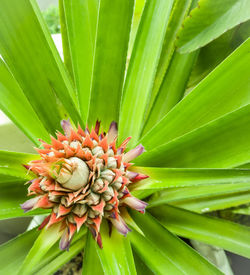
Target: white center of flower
{"x":76,"y":180}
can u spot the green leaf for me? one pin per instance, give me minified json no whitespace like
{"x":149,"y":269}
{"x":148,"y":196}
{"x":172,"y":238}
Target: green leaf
{"x":13,"y":193}
{"x":91,"y":261}
{"x":160,"y":178}
{"x":178,"y":13}
{"x":62,"y":259}
{"x":211,"y":19}
{"x":162,"y":251}
{"x":81,"y":20}
{"x":11,"y":163}
{"x":222,"y":91}
{"x":13,"y":252}
{"x":55,"y":257}
{"x":228,"y":235}
{"x":222,"y":143}
{"x":16,"y":106}
{"x":197,"y":192}
{"x":41,"y":246}
{"x":34,"y":61}
{"x":142,"y":67}
{"x":216,"y":51}
{"x":141,"y":267}
{"x":114,"y":23}
{"x":213,"y":203}
{"x":243,"y":211}
{"x":116,"y":256}
{"x":65,"y":39}
{"x":172,"y":89}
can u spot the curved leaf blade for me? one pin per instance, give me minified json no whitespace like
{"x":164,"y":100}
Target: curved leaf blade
{"x":228,"y":235}
{"x":91,"y":261}
{"x":211,"y":19}
{"x":116,"y":256}
{"x":16,"y":106}
{"x":142,"y":67}
{"x":81,"y":19}
{"x":164,"y":251}
{"x":224,"y":90}
{"x":35,"y":63}
{"x":222,"y":143}
{"x":13,"y":252}
{"x":41,"y":246}
{"x":114,"y":23}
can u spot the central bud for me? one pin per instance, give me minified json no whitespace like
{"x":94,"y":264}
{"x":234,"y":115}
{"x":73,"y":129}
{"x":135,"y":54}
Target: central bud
{"x":83,"y":177}
{"x":74,"y":174}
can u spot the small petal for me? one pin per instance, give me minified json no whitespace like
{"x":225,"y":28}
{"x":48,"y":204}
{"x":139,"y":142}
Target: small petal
{"x":29,"y":204}
{"x":112,"y":132}
{"x":65,"y":240}
{"x":134,"y":153}
{"x":131,"y":175}
{"x":66,"y":125}
{"x":120,"y":225}
{"x":135,"y":203}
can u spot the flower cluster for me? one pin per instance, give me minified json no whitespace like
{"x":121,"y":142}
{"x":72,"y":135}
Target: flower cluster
{"x":83,"y":177}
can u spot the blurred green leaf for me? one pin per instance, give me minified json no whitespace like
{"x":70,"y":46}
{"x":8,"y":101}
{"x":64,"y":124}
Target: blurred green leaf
{"x":33,"y":60}
{"x":13,"y":252}
{"x":114,"y":24}
{"x":163,"y":251}
{"x":211,"y":19}
{"x":81,"y":20}
{"x":142,"y":67}
{"x":16,"y":106}
{"x":222,"y":91}
{"x":228,"y":235}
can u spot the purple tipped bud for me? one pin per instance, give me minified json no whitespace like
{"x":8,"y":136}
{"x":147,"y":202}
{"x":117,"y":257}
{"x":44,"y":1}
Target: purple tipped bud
{"x":29,"y":204}
{"x":134,"y":153}
{"x":66,"y":125}
{"x":112,"y":132}
{"x":135,"y":203}
{"x":131,"y":175}
{"x":65,"y":241}
{"x":120,"y":225}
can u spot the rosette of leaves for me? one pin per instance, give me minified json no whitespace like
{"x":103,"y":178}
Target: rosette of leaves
{"x":175,"y":77}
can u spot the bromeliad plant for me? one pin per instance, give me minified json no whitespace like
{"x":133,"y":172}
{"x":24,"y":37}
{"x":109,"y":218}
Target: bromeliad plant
{"x":174,"y":76}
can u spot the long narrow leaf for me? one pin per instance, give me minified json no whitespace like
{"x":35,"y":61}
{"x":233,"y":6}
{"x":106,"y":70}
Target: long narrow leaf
{"x":11,"y":163}
{"x":176,"y":256}
{"x":16,"y":106}
{"x":228,"y":235}
{"x":81,"y":19}
{"x":41,"y":246}
{"x":114,"y":22}
{"x":223,"y":143}
{"x":35,"y":62}
{"x":178,"y":13}
{"x":116,"y":256}
{"x":13,"y":252}
{"x":91,"y":261}
{"x":211,"y":19}
{"x":222,"y":91}
{"x":142,"y":67}
{"x":62,"y":259}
